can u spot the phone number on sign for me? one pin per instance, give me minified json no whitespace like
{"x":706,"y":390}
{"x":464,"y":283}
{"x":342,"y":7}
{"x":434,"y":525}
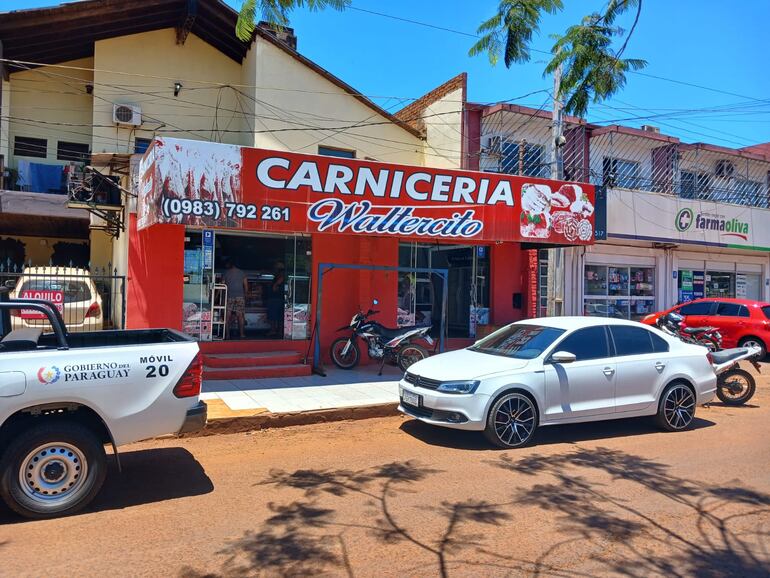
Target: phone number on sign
{"x":199,"y":208}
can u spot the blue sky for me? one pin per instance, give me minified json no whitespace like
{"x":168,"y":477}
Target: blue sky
{"x":694,"y":41}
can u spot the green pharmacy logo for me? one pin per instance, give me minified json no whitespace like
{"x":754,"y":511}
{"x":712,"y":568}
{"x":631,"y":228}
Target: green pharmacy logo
{"x":684,"y":220}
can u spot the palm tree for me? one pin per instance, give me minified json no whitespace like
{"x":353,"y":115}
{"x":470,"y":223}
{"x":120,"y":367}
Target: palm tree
{"x":591,"y":70}
{"x":276,"y":12}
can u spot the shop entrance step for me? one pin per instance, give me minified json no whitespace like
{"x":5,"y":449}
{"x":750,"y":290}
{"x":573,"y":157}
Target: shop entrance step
{"x":257,"y":372}
{"x":252,"y":346}
{"x":261,"y":359}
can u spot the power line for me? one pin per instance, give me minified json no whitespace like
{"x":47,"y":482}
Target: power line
{"x":549,"y":53}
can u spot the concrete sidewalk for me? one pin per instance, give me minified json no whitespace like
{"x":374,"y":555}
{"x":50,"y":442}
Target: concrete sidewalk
{"x":339,"y":390}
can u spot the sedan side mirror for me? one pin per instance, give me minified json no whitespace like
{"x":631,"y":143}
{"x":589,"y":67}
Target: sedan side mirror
{"x":563,"y":357}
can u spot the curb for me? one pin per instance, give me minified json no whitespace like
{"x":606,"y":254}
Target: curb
{"x":228,"y":425}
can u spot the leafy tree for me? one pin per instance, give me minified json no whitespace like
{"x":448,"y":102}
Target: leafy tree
{"x":276,"y":12}
{"x":591,"y":70}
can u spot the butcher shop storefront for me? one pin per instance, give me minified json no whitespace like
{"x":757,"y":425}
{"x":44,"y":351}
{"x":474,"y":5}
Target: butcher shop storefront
{"x":227,"y":242}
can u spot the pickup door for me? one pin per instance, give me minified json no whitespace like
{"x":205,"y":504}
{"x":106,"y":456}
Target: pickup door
{"x":129,"y":386}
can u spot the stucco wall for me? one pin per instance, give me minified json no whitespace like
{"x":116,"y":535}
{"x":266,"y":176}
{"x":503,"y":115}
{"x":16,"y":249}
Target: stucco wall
{"x":299,"y":98}
{"x":443,"y":123}
{"x":203,"y":110}
{"x":50,"y":95}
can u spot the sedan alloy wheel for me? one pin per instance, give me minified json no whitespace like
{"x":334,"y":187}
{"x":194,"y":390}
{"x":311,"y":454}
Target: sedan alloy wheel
{"x":677,"y":408}
{"x":512,"y":421}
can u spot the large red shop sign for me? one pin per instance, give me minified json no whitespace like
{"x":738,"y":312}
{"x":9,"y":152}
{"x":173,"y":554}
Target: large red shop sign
{"x":208,"y":185}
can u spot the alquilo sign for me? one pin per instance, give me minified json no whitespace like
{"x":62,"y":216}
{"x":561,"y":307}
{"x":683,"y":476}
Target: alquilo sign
{"x":208,"y":185}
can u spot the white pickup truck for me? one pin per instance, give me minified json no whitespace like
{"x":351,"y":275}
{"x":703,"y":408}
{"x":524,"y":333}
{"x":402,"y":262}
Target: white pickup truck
{"x":64,"y":396}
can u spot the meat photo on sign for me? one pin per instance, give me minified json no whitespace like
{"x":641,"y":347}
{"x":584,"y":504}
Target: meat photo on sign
{"x":198,"y":172}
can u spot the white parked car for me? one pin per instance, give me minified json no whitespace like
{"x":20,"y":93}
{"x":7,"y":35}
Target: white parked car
{"x":72,"y":290}
{"x":560,"y":370}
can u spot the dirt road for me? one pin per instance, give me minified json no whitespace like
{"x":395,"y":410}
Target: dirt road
{"x":392,"y":497}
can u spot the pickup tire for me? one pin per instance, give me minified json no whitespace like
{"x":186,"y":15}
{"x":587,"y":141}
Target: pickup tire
{"x":52,"y":469}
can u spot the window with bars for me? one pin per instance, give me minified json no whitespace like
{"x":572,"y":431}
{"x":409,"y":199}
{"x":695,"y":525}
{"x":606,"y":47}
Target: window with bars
{"x":621,"y":173}
{"x":72,"y":151}
{"x":534,"y":161}
{"x":694,"y":185}
{"x":24,"y":146}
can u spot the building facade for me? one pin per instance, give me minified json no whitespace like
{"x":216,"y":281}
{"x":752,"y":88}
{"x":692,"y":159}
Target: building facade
{"x":682,"y":220}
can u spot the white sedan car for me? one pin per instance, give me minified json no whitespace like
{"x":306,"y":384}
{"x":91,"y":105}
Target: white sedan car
{"x":559,"y":370}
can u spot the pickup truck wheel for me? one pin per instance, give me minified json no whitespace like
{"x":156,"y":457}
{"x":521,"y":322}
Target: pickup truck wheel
{"x":52,"y":469}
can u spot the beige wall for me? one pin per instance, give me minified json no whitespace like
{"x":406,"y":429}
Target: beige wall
{"x":101,"y":250}
{"x":51,"y":95}
{"x":305,"y":98}
{"x":5,"y":111}
{"x":155,"y":61}
{"x":443,"y":122}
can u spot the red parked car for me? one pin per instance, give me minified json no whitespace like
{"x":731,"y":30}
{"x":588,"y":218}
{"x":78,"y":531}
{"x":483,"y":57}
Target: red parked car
{"x":741,"y":322}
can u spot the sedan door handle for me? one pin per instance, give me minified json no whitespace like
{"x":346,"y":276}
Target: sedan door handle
{"x":608,"y":371}
{"x":660,"y":366}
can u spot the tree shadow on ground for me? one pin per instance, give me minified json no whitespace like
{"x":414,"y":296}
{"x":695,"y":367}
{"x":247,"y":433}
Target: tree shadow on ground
{"x":307,"y":535}
{"x":147,"y":476}
{"x":727,"y":526}
{"x":552,"y":434}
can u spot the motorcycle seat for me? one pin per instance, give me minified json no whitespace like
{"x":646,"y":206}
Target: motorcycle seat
{"x":726,"y":355}
{"x":389,"y":333}
{"x":692,"y":330}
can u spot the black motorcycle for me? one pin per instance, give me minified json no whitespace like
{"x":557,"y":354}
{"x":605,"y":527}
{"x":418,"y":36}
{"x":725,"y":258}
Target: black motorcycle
{"x":394,"y":346}
{"x":673,"y":324}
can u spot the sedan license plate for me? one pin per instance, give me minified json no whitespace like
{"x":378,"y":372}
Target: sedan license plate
{"x":411,"y":398}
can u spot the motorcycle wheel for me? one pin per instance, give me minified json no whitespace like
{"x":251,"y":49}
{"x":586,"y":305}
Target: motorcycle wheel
{"x":736,"y":387}
{"x":710,"y":343}
{"x":411,"y":354}
{"x":348,"y":361}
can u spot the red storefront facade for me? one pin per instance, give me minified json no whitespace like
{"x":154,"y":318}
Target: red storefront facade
{"x":201,"y":204}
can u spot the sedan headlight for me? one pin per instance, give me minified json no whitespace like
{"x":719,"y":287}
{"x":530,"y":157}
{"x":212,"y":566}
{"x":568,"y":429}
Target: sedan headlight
{"x":458,"y":386}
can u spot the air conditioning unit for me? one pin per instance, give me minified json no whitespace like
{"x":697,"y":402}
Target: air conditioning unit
{"x":130,"y":114}
{"x":724,"y":169}
{"x":494,"y":145}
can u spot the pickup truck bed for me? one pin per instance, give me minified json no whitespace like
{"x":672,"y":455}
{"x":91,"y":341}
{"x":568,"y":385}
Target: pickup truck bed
{"x":108,"y":387}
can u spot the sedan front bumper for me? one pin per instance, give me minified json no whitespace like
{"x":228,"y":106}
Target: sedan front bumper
{"x":457,"y":411}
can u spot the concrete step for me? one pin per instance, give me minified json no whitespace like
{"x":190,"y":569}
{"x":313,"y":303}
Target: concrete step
{"x":251,"y":346}
{"x":233,"y":360}
{"x":257,"y":372}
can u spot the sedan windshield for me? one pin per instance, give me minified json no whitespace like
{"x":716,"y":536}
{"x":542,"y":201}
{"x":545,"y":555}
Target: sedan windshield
{"x":518,"y":341}
{"x":766,"y":310}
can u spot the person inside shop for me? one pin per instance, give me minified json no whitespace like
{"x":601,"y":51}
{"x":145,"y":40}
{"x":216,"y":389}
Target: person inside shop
{"x":275,"y":299}
{"x":237,"y":284}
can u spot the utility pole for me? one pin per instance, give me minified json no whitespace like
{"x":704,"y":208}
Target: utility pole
{"x":555,"y":278}
{"x":557,"y":129}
